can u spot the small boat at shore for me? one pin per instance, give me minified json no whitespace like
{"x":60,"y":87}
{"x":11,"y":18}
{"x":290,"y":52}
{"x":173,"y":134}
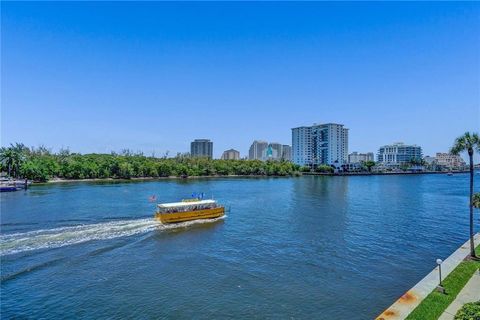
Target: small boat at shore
{"x":189,"y":209}
{"x":10,"y":185}
{"x":9,"y":188}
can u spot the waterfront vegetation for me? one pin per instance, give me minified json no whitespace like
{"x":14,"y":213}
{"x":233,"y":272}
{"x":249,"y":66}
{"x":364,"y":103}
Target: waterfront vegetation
{"x":469,"y":142}
{"x":40,"y":164}
{"x":435,"y":303}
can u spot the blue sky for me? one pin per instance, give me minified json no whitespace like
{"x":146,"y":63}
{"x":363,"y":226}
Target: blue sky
{"x":102,"y":76}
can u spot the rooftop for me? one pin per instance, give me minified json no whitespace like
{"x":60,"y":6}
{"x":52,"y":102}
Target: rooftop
{"x":185,"y":203}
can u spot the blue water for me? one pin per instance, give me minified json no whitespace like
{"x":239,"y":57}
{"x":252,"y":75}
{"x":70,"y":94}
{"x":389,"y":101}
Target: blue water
{"x":306,"y":247}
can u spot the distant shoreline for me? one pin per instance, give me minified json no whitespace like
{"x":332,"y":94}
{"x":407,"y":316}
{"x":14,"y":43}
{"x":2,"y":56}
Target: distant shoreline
{"x":379,"y":173}
{"x":139,"y":179}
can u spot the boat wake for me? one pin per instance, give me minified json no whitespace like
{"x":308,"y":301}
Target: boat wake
{"x":64,"y":236}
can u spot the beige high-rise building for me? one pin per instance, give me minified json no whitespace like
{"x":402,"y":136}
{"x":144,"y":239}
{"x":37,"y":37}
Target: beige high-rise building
{"x":274,"y":151}
{"x":262,"y":150}
{"x":258,"y":150}
{"x":286,"y":152}
{"x":231,"y":154}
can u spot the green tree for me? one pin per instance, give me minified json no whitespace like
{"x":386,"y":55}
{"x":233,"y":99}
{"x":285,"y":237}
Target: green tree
{"x":324,"y":168}
{"x":369,"y":164}
{"x":40,"y":164}
{"x":34,"y":170}
{"x":125,"y":170}
{"x":468,"y":142}
{"x":305,"y":169}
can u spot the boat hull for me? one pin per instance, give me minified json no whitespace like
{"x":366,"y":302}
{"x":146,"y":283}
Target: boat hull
{"x":190,"y":215}
{"x":9,"y":189}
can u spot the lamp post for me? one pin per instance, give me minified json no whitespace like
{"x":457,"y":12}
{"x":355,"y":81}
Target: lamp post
{"x":440,"y":287}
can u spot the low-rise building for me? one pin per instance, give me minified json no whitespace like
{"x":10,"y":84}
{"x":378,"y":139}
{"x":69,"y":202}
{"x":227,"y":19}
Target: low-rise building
{"x":449,"y":160}
{"x":231,"y":154}
{"x":399,"y":153}
{"x":430,"y":160}
{"x":356,"y":157}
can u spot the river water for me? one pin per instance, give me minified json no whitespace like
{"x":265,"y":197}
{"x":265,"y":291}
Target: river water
{"x":305,"y":247}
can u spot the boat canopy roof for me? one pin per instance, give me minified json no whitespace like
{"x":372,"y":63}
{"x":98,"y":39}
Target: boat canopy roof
{"x":185,"y":203}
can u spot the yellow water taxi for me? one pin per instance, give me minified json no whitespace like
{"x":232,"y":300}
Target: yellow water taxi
{"x":186,"y":210}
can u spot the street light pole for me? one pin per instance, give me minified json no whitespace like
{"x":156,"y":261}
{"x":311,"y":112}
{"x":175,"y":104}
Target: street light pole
{"x":440,"y":287}
{"x":439,"y":262}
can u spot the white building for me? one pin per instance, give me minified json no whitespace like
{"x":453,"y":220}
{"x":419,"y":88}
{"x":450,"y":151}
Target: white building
{"x":430,"y":160}
{"x":302,"y":146}
{"x":399,"y":153}
{"x":320,"y":144}
{"x":356,"y":157}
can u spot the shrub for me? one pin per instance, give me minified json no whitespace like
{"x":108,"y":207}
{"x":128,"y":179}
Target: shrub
{"x":305,"y":169}
{"x":469,"y":311}
{"x":324,"y":168}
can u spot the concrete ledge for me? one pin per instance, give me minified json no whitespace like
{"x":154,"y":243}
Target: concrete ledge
{"x":412,"y":298}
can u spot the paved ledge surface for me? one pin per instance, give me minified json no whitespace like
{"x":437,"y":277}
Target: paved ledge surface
{"x":469,"y":293}
{"x":412,"y":298}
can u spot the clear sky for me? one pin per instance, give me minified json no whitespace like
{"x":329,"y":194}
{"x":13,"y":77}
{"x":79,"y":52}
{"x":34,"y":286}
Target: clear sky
{"x":102,"y":76}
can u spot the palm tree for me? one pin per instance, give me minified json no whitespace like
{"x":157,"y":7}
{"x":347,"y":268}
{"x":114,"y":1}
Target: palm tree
{"x":13,"y":157}
{"x":468,"y":142}
{"x":7,"y":159}
{"x":369,"y":164}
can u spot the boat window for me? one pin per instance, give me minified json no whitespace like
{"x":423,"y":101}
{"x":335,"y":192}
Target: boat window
{"x":195,"y":207}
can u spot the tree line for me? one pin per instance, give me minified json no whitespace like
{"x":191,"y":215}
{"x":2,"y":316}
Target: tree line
{"x":40,"y":164}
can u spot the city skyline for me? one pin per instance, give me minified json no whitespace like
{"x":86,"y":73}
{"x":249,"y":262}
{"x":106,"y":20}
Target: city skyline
{"x":173,"y":72}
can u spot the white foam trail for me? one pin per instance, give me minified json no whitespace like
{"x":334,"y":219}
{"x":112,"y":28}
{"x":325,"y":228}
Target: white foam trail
{"x":64,"y":236}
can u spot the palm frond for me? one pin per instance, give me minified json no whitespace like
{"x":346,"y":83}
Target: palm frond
{"x":459,"y":145}
{"x":465,"y":142}
{"x":476,"y":200}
